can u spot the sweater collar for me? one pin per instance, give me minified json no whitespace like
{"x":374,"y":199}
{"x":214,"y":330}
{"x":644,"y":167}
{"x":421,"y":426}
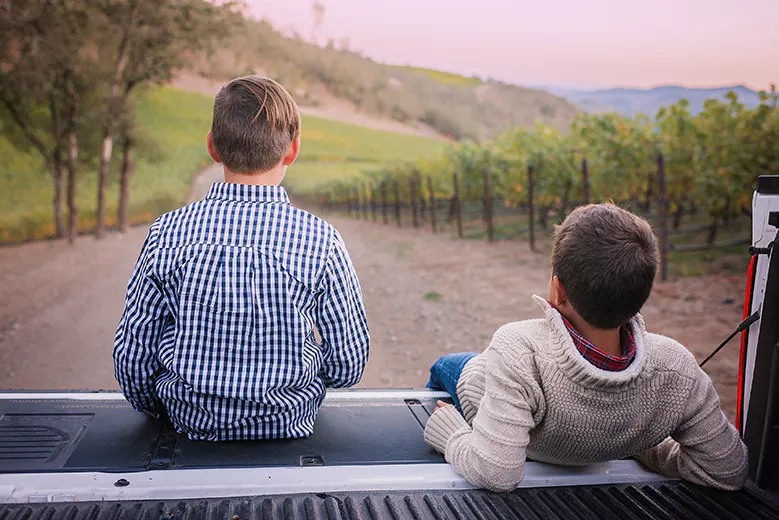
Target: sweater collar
{"x":247,"y":193}
{"x":578,"y":369}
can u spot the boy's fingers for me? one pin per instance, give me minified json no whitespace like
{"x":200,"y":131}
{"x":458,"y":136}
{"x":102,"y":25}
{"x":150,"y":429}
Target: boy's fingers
{"x":441,"y":404}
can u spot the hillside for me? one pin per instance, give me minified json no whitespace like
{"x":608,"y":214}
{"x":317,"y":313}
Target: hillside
{"x":164,"y":172}
{"x":452,"y":105}
{"x":629,"y":101}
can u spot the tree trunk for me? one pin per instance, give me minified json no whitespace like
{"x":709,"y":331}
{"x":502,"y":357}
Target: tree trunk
{"x":124,"y":193}
{"x":727,"y":214}
{"x":678,"y":214}
{"x":108,"y":134}
{"x":72,"y":170}
{"x":543,"y":216}
{"x":102,"y":176}
{"x":72,"y":163}
{"x":59,"y":193}
{"x":57,"y":169}
{"x":565,"y":200}
{"x":713,"y":231}
{"x":650,"y":192}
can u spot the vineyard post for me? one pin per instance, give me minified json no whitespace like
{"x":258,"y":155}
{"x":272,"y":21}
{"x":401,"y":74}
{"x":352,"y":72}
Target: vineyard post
{"x":356,"y":192}
{"x":663,"y":217}
{"x":397,"y":201}
{"x":413,"y":195}
{"x":485,"y":174}
{"x":531,"y":209}
{"x":422,"y":200}
{"x":586,"y":181}
{"x":384,"y":209}
{"x":359,"y":197}
{"x":365,"y":203}
{"x":373,"y":203}
{"x":432,"y":202}
{"x":368,"y":201}
{"x":456,"y":199}
{"x":364,"y":195}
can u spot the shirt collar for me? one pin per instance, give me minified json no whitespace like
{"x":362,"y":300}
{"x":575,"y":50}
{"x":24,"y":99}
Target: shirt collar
{"x":560,"y":348}
{"x":596,"y":356}
{"x":247,"y":193}
{"x":599,"y":358}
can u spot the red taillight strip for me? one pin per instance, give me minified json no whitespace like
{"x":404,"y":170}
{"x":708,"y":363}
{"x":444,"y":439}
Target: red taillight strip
{"x":744,"y":339}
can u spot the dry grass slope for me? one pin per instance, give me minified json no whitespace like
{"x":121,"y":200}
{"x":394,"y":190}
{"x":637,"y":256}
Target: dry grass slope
{"x":453,"y":105}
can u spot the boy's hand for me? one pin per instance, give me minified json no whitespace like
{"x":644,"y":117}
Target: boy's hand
{"x":440,"y":404}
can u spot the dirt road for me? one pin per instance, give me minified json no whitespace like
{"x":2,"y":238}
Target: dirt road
{"x":425,"y":295}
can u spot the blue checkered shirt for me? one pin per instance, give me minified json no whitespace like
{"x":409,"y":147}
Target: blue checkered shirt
{"x":220,"y":313}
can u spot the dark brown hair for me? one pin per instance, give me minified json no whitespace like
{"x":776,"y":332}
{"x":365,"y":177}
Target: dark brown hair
{"x":255,"y":122}
{"x":606,"y":259}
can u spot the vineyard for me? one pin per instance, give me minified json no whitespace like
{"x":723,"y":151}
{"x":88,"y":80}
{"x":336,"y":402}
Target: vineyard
{"x":691,"y":176}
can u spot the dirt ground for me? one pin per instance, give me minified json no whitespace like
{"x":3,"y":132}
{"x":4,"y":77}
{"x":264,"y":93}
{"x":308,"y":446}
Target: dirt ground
{"x":425,"y":295}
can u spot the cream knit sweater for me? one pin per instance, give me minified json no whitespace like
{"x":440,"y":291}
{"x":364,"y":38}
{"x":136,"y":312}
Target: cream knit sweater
{"x":532,"y":394}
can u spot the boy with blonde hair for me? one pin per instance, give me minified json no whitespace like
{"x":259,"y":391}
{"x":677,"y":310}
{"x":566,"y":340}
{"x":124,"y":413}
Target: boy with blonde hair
{"x":587,"y":383}
{"x":218,"y":329}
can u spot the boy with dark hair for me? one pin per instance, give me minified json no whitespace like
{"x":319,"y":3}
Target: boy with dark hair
{"x":219,"y":323}
{"x":587,"y":383}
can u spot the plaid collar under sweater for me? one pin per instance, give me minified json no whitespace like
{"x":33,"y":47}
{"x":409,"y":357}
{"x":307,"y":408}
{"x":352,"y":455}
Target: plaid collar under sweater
{"x":599,"y":358}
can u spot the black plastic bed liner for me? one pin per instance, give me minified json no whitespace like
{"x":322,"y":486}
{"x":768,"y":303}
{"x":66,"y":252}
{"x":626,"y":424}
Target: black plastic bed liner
{"x":55,"y":435}
{"x":101,"y":445}
{"x":650,"y":501}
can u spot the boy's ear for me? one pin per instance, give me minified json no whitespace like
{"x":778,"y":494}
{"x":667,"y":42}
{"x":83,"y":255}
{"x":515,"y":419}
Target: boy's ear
{"x":559,"y":291}
{"x":292,"y":153}
{"x":211,"y":150}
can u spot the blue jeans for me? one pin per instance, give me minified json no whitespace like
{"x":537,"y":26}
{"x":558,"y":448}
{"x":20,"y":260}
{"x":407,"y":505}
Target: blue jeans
{"x":445,"y":373}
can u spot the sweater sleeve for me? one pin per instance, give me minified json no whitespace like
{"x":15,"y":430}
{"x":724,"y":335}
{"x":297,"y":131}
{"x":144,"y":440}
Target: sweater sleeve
{"x":706,"y":449}
{"x":491,"y":454}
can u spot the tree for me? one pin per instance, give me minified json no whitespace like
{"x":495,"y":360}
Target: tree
{"x":143,"y":43}
{"x":122,"y":17}
{"x":679,"y":141}
{"x":45,"y":80}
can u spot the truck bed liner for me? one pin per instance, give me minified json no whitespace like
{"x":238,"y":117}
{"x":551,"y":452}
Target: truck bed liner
{"x":89,"y":456}
{"x":665,"y":500}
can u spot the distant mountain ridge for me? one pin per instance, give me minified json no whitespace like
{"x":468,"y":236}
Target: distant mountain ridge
{"x":631,"y":101}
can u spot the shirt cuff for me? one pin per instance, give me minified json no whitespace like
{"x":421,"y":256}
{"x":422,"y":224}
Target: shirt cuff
{"x":444,"y":423}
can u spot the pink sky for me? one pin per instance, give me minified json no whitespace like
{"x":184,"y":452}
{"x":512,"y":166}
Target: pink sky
{"x":635,"y":43}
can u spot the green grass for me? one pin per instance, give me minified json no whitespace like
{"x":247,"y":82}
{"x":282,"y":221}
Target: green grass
{"x":332,"y":150}
{"x":433,"y":296}
{"x":171,"y":151}
{"x":173,"y":125}
{"x":445,"y":78}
